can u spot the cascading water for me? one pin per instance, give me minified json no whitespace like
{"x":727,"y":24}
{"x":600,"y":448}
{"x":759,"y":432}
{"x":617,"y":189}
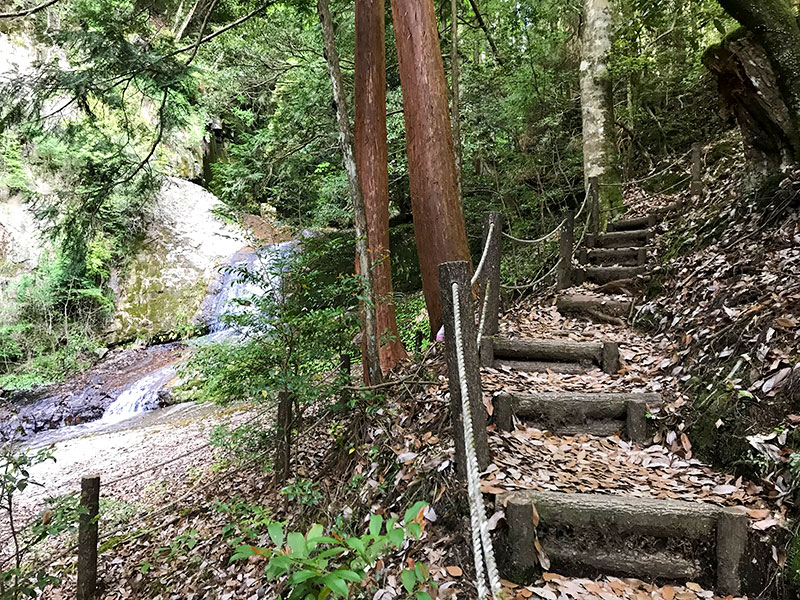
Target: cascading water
{"x":140,"y":396}
{"x":233,"y":292}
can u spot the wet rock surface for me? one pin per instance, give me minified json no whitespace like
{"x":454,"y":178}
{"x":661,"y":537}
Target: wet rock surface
{"x":86,"y":396}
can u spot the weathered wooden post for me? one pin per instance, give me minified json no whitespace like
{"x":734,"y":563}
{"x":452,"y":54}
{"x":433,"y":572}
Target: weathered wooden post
{"x":490,"y":278}
{"x":458,"y":272}
{"x":696,"y":187}
{"x":87,"y":537}
{"x":594,"y":205}
{"x":565,"y":244}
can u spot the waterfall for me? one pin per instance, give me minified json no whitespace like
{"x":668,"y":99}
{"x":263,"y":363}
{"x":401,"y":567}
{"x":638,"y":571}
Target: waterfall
{"x":140,"y":396}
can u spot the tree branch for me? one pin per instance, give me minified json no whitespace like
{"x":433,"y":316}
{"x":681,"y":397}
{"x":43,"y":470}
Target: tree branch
{"x":28,"y":11}
{"x":489,"y":38}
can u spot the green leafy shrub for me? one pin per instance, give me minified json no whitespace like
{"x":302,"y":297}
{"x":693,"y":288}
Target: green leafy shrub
{"x":317,"y":566}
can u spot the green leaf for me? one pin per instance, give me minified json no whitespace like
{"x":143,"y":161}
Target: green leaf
{"x":412,"y":512}
{"x":396,"y":536}
{"x":423,"y":596}
{"x":356,"y":544}
{"x":275,"y":531}
{"x":415,"y":529}
{"x":375,"y":524}
{"x":297,"y":543}
{"x":314,"y":532}
{"x":409,"y":579}
{"x":349,"y":575}
{"x":301,"y":576}
{"x":337,"y":584}
{"x":243,"y":551}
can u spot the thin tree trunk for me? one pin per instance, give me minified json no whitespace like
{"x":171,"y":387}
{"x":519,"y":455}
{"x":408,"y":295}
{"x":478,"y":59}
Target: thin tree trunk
{"x":438,"y":220}
{"x":597,"y":107}
{"x":486,"y":31}
{"x":774,"y":24}
{"x":283,"y":441}
{"x":455,"y":117}
{"x":185,"y":24}
{"x":373,"y":366}
{"x":372,"y":159}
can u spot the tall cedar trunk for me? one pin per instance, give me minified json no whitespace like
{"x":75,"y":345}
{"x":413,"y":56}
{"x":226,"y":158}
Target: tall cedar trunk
{"x":438,"y":220}
{"x":372,"y":373}
{"x":372,"y":159}
{"x":597,"y":106}
{"x":775,"y":26}
{"x":455,"y":117}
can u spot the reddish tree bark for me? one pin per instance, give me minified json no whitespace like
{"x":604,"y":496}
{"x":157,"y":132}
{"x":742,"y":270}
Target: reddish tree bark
{"x":438,"y":220}
{"x":372,"y":160}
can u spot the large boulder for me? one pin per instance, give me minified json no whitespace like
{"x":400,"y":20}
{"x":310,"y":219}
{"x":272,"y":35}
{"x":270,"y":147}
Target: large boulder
{"x":160,"y":291}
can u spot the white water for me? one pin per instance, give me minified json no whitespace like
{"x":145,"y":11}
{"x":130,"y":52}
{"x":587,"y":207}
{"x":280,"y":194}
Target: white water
{"x":140,"y":396}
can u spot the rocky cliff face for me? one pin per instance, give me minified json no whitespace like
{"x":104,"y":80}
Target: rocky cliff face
{"x":163,"y":287}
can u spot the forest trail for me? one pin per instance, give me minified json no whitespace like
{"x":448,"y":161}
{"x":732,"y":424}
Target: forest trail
{"x":588,"y":488}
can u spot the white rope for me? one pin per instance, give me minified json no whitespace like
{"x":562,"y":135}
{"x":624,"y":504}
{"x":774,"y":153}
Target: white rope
{"x":547,"y":236}
{"x":481,"y":539}
{"x":483,"y":256}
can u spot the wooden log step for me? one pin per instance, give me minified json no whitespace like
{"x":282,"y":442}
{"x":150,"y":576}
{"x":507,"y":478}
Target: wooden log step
{"x":601,"y":275}
{"x":584,"y":535}
{"x":620,"y":239}
{"x":633,"y":223}
{"x":582,"y":303}
{"x":574,"y":412}
{"x":539,"y":366}
{"x":603,"y":354}
{"x":613,"y":256}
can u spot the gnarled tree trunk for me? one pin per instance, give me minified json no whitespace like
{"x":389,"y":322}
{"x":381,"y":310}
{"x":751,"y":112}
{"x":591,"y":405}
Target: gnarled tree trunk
{"x":438,"y":220}
{"x":597,"y":107}
{"x":775,"y":27}
{"x":372,"y":161}
{"x":749,"y":92}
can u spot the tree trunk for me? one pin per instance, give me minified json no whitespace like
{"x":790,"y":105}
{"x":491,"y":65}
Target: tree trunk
{"x":372,"y":159}
{"x":373,"y":366}
{"x":597,"y":107}
{"x":749,"y":91}
{"x":283,"y":438}
{"x":455,"y":117}
{"x":775,"y":27}
{"x":438,"y":220}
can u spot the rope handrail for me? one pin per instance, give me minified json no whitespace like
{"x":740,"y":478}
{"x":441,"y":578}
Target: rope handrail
{"x":481,"y":540}
{"x":482,"y":261}
{"x":558,"y":227}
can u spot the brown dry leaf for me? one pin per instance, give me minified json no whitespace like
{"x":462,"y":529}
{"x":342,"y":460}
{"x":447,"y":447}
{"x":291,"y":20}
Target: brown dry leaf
{"x":694,"y":587}
{"x":535,"y":516}
{"x":758,"y":513}
{"x":454,"y":571}
{"x":764,"y":524}
{"x":668,"y":592}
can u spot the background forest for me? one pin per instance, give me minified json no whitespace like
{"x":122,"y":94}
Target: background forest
{"x":105,"y":104}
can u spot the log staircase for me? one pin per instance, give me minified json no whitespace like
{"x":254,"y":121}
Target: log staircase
{"x":589,"y":534}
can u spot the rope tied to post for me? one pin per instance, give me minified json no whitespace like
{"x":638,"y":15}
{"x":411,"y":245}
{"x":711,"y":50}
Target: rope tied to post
{"x":483,"y":552}
{"x":482,"y":261}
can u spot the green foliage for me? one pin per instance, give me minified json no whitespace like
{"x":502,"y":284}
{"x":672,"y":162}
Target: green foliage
{"x":411,"y":318}
{"x":316,"y":566}
{"x":21,"y":579}
{"x":249,"y":521}
{"x":303,"y":491}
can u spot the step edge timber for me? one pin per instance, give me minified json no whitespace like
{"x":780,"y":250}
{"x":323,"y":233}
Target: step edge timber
{"x":633,"y":223}
{"x":604,"y":354}
{"x":579,"y":303}
{"x":658,"y":565}
{"x":604,"y":240}
{"x":727,"y":527}
{"x":573,"y":409}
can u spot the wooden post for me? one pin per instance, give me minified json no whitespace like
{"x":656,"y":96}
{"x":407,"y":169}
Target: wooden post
{"x":594,"y":205}
{"x":87,"y":537}
{"x":459,"y":272}
{"x":696,"y":187}
{"x":565,"y":244}
{"x":490,"y":280}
